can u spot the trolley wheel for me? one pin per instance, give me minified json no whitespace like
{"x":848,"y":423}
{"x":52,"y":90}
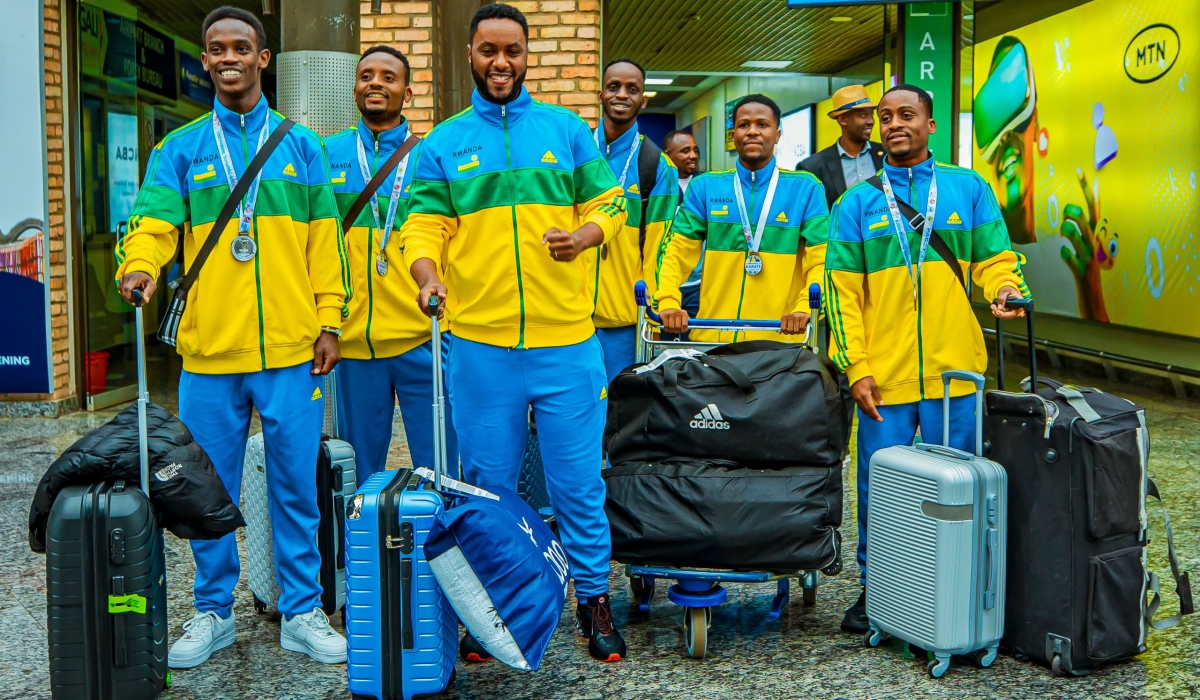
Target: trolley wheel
{"x":983,"y":658}
{"x":259,"y":606}
{"x":810,"y":597}
{"x":937,"y":667}
{"x":695,"y":626}
{"x":872,"y":638}
{"x":1056,"y":666}
{"x":635,"y":588}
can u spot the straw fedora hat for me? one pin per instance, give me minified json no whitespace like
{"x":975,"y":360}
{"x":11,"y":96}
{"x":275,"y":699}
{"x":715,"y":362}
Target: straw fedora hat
{"x":848,"y":98}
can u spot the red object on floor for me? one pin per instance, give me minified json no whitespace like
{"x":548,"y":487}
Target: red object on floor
{"x":97,"y":372}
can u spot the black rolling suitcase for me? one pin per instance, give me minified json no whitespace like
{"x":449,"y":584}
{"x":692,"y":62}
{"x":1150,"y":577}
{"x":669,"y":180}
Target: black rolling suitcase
{"x":106,"y":591}
{"x":1078,"y":528}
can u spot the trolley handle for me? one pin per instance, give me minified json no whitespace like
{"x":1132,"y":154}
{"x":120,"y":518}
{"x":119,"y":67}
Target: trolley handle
{"x":143,"y":395}
{"x":717,"y":324}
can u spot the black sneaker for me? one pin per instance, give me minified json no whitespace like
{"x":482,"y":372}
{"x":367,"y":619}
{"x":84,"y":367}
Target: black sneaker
{"x":594,"y":620}
{"x":855,"y":620}
{"x":471,"y":650}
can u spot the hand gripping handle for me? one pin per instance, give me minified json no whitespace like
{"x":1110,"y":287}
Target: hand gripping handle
{"x":1025,"y":305}
{"x":716,"y":324}
{"x":979,"y":381}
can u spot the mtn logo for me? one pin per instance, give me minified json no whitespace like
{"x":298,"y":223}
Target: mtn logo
{"x":709,"y":418}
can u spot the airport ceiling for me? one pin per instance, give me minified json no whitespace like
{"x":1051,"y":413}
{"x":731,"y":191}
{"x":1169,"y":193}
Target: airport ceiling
{"x":183,"y":18}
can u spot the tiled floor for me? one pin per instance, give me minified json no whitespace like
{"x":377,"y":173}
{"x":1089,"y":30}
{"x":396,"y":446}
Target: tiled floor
{"x":801,"y":655}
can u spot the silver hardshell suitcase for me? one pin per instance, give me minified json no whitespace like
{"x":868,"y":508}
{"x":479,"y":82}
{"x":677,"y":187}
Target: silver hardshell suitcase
{"x":938,"y":526}
{"x":336,"y":479}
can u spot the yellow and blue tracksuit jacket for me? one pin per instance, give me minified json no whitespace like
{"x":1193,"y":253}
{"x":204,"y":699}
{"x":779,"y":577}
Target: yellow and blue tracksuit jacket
{"x":491,"y":180}
{"x":792,"y":248}
{"x":619,"y":264}
{"x":260,"y":314}
{"x":879,"y":328}
{"x":384,"y":320}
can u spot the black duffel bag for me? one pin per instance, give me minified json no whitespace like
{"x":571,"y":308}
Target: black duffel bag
{"x":715,"y":514}
{"x":758,"y":403}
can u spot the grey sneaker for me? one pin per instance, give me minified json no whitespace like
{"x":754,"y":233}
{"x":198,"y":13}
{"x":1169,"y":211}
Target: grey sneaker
{"x":311,"y":634}
{"x":205,"y":633}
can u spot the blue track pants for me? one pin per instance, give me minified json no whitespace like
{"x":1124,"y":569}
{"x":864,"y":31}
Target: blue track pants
{"x":368,"y":391}
{"x":899,"y":427}
{"x":620,"y":349}
{"x":491,"y":389}
{"x":216,"y":409}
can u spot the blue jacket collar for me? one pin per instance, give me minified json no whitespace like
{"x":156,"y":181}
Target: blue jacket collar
{"x":389,"y":140}
{"x":921,"y":172}
{"x":232,"y":121}
{"x":623,"y":143}
{"x":495,"y":114}
{"x":755,"y":178}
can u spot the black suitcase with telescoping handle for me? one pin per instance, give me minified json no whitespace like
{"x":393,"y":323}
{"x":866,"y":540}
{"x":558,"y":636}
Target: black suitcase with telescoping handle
{"x":106,"y":590}
{"x":1077,"y":489}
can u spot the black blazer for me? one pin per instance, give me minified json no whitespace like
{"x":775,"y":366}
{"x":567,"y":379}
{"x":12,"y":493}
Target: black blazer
{"x":827,"y":165}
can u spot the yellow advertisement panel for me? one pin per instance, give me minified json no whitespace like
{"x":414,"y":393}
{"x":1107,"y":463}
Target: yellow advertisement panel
{"x":1087,"y":126}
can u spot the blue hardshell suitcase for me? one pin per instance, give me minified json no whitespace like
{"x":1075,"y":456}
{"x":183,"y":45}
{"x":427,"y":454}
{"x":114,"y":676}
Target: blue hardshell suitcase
{"x":401,"y":632}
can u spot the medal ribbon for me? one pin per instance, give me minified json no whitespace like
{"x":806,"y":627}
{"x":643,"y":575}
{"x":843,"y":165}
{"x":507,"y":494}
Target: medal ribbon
{"x":898,"y":223}
{"x":245,"y":208}
{"x":393,"y":203}
{"x":637,"y":143}
{"x":753,"y":241}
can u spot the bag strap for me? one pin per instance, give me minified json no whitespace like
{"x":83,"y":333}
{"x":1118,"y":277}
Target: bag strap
{"x":1183,"y":587}
{"x":730,"y":370}
{"x":917,"y":220}
{"x":647,"y":179}
{"x":373,"y":186}
{"x":239,"y":191}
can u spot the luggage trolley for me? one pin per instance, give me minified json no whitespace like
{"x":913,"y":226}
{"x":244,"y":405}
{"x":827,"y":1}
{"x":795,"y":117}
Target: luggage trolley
{"x":698,"y":591}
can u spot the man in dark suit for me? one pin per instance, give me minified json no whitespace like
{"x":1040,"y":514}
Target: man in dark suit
{"x":854,"y":157}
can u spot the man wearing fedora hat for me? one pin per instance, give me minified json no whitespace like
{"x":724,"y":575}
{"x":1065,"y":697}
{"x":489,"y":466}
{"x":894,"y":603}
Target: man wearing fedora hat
{"x":854,"y":157}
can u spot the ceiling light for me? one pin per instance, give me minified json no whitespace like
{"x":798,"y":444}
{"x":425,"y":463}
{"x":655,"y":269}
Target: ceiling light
{"x":840,"y":19}
{"x":766,"y":64}
{"x":650,"y":93}
{"x":659,"y":81}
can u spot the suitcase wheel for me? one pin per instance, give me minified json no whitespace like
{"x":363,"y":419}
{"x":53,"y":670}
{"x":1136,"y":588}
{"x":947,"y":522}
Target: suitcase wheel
{"x":1056,"y":666}
{"x":873,"y":637}
{"x":983,"y":658}
{"x":695,"y":626}
{"x":938,"y":667}
{"x":642,"y":590}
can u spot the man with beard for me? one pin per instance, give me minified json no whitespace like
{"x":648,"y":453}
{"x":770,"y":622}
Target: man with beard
{"x":898,"y":324}
{"x":853,"y":157}
{"x":259,"y":329}
{"x":497,"y":191}
{"x":764,"y":229}
{"x":386,"y":346}
{"x":681,"y":148}
{"x":651,"y":188}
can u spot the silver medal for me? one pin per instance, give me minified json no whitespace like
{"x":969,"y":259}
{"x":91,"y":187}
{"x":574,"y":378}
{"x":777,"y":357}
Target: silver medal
{"x":243,"y":248}
{"x":381,"y":265}
{"x":754,"y":264}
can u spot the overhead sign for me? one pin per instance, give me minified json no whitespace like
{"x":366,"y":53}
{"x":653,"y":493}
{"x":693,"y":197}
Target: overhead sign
{"x":156,"y":62}
{"x":929,"y":64}
{"x":122,"y":48}
{"x":25,"y":340}
{"x":194,"y":81}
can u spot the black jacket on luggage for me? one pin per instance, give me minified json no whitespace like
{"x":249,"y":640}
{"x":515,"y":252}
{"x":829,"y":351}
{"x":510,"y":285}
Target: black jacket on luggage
{"x":1077,"y":488}
{"x":185,"y":490}
{"x":759,"y":404}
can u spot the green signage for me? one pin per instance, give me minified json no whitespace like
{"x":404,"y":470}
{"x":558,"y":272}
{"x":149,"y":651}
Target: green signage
{"x":929,"y":64}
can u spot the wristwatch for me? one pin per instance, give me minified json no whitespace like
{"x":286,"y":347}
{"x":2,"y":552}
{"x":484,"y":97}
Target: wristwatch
{"x":331,"y":329}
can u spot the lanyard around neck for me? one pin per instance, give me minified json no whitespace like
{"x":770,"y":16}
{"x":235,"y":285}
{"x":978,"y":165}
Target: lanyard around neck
{"x":637,"y":142}
{"x":898,"y":222}
{"x":393,"y":203}
{"x":246,"y":208}
{"x":753,"y":241}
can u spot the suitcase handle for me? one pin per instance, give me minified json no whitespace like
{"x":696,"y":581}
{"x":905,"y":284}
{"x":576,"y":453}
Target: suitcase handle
{"x":1027,"y":306}
{"x":979,"y":381}
{"x":439,"y":403}
{"x":716,"y":324}
{"x":143,"y":395}
{"x":993,"y":549}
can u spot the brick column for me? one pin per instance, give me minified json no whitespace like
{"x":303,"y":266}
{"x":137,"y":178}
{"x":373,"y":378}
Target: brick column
{"x":56,"y":232}
{"x":407,"y":26}
{"x":564,"y":47}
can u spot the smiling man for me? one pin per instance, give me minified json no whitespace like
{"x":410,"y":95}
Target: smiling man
{"x":388,"y":356}
{"x":508,"y":194}
{"x":260,"y":326}
{"x":896,"y":323}
{"x":763,"y":230}
{"x":651,"y":187}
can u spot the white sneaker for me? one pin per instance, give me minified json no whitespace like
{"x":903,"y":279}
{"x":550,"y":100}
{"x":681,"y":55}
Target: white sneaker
{"x":202,"y":635}
{"x":311,"y":634}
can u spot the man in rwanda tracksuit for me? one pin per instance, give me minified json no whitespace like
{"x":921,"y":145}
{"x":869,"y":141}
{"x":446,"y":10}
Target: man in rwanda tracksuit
{"x":633,"y":255}
{"x":765,"y":230}
{"x":260,"y":326}
{"x":509,"y":193}
{"x":385,"y":344}
{"x":897,"y":324}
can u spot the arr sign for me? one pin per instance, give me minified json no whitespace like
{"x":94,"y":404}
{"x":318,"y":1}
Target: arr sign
{"x":929,"y":64}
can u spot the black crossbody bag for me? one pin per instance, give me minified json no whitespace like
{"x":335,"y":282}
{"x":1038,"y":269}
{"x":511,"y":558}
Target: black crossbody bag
{"x":917,"y":220}
{"x":373,"y":186}
{"x":168,"y":330}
